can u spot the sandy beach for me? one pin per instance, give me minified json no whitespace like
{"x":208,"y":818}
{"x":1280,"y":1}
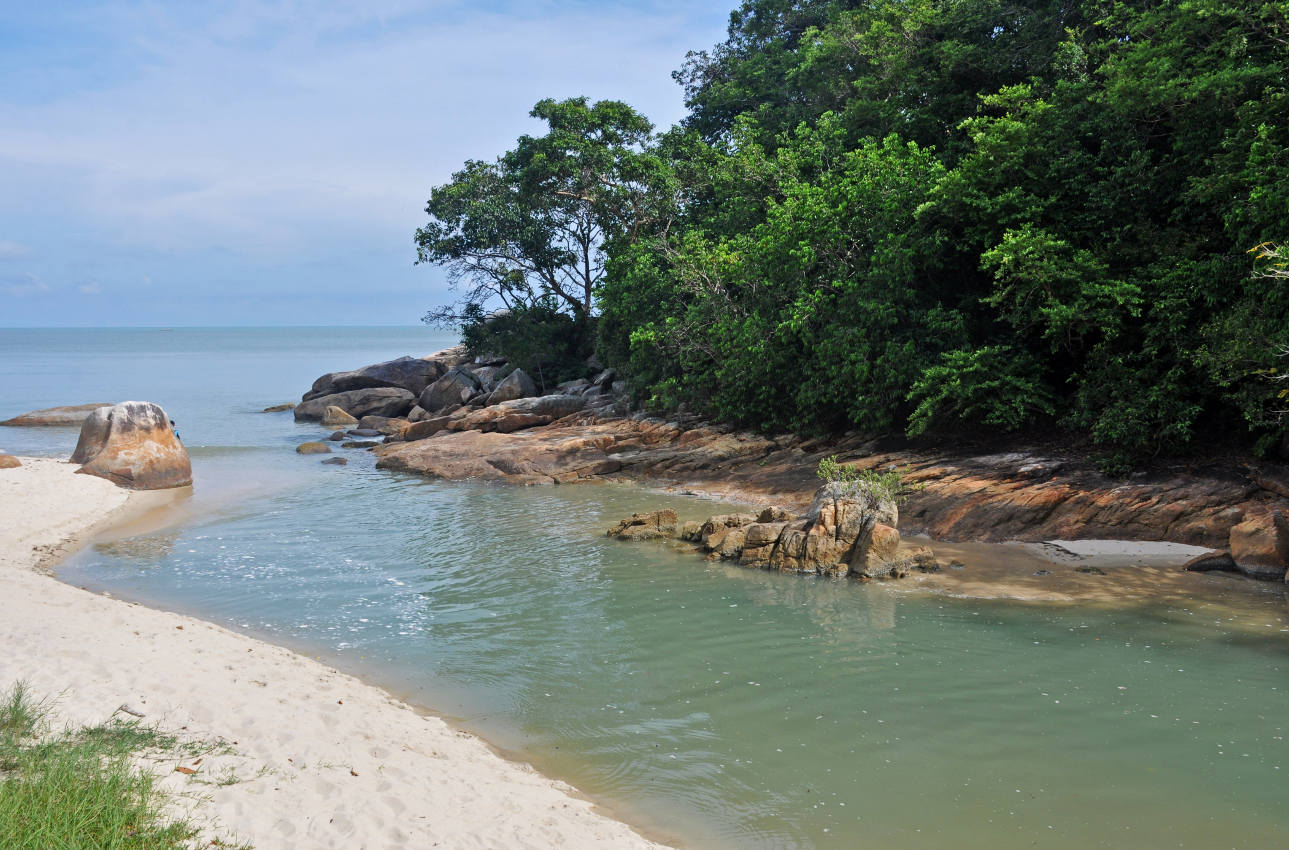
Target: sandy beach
{"x":314,"y":757}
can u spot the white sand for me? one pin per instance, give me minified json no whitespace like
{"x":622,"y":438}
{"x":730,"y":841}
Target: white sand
{"x":319,"y":758}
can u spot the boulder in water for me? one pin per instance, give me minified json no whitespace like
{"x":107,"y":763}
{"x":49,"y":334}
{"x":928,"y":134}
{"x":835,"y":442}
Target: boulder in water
{"x":313,"y":448}
{"x":278,"y":408}
{"x":335,"y":417}
{"x":134,"y":445}
{"x":380,"y":401}
{"x":646,"y":526}
{"x":413,"y":374}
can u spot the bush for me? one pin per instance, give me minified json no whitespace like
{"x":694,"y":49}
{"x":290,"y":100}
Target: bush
{"x":549,"y":345}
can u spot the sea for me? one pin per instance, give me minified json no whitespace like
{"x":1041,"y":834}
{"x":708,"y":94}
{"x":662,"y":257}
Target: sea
{"x":708,"y":705}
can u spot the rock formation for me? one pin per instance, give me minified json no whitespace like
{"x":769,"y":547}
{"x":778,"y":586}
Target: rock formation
{"x":515,"y":385}
{"x":378,"y":401}
{"x":413,"y":374}
{"x":335,"y":417}
{"x":55,"y":416}
{"x":456,"y":387}
{"x":133,"y":445}
{"x":313,"y":448}
{"x":646,"y":526}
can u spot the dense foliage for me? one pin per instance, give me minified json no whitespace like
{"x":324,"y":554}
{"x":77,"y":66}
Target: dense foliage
{"x":925,"y":215}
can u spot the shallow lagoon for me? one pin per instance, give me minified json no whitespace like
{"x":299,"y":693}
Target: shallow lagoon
{"x":717,"y":706}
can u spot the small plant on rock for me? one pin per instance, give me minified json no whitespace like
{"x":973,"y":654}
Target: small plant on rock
{"x":878,"y":485}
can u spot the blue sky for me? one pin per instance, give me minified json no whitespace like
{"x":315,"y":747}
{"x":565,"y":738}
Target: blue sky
{"x":264,"y":163}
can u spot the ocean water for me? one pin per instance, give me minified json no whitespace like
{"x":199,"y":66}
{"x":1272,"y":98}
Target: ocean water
{"x":711,"y":705}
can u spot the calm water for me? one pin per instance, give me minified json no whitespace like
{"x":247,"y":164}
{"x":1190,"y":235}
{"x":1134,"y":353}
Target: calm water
{"x":717,"y":706}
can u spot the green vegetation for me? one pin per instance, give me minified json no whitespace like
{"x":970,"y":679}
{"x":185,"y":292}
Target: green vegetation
{"x":888,"y":486}
{"x":929,"y":217}
{"x":79,"y":789}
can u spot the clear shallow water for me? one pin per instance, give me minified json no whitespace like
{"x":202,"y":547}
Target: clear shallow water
{"x":720,"y":706}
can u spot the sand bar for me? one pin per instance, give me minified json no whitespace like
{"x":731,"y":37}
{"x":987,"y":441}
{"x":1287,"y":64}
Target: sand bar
{"x":318,"y":758}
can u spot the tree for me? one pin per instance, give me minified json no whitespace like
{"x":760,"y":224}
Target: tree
{"x":530,"y":228}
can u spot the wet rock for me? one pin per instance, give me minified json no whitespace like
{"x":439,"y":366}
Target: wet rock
{"x":133,"y":444}
{"x":380,"y":401}
{"x":363,"y":432}
{"x":1096,"y":571}
{"x":691,"y":531}
{"x":336,"y":461}
{"x":9,"y":462}
{"x":278,"y":408}
{"x":337,"y":436}
{"x":646,"y":526}
{"x":413,"y":374}
{"x":1211,"y":562}
{"x":955,"y":564}
{"x":1260,"y":546}
{"x":335,"y":417}
{"x":360,"y":444}
{"x":55,"y":416}
{"x":313,"y":448}
{"x":515,"y":386}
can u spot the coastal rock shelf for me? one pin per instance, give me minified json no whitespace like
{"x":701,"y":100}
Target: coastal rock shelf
{"x":586,"y":430}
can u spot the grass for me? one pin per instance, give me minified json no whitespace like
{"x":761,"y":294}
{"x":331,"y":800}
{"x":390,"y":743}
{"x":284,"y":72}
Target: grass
{"x":80,"y":789}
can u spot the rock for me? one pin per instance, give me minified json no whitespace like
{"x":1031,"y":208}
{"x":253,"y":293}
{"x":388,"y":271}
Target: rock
{"x":336,"y":461}
{"x":1096,"y":571}
{"x":384,"y":425}
{"x":313,"y":448}
{"x":774,"y":513}
{"x":489,"y":376}
{"x":359,"y":444}
{"x":1260,"y":546}
{"x":521,"y":458}
{"x":363,"y":432}
{"x":455,"y":387}
{"x":278,"y":408}
{"x":718,"y":527}
{"x":618,"y":387}
{"x":381,"y":401}
{"x":572,"y":387}
{"x":1211,"y":562}
{"x":9,"y":462}
{"x":520,"y":413}
{"x":337,"y":436}
{"x":605,"y":379}
{"x":413,"y":374}
{"x":335,"y":417}
{"x":691,"y":531}
{"x":516,"y":385}
{"x":418,"y":414}
{"x":55,"y":416}
{"x":424,"y":428}
{"x":646,"y":526}
{"x":134,"y":445}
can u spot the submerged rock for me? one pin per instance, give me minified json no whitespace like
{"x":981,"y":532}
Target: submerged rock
{"x":336,"y":461}
{"x":646,"y":526}
{"x":55,"y":416}
{"x":278,"y":408}
{"x":313,"y":448}
{"x":359,"y":444}
{"x":134,"y":445}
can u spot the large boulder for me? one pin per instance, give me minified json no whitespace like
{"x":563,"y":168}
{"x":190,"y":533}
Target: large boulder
{"x":516,"y":385}
{"x":133,"y":444}
{"x":1260,"y":546}
{"x":518,"y":414}
{"x":378,"y":401}
{"x":413,"y":374}
{"x":335,"y":417}
{"x":646,"y":526}
{"x":455,"y":387}
{"x":55,"y":416}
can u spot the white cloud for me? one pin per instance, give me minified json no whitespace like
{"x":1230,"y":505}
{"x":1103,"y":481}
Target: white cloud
{"x":23,"y":285}
{"x":13,"y":250}
{"x":90,"y":288}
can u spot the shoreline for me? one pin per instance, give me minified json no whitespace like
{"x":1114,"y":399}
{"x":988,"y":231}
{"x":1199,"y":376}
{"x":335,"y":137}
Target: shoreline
{"x":355,"y":766}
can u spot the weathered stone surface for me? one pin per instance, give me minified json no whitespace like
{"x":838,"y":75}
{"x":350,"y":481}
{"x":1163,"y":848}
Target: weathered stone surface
{"x":9,"y":462}
{"x":55,"y":416}
{"x":774,"y":513}
{"x":313,"y":448}
{"x":646,"y":526}
{"x":518,"y":414}
{"x":380,"y":401}
{"x":336,"y":461}
{"x":457,"y":386}
{"x":278,"y":408}
{"x":384,"y":425}
{"x":424,"y":428}
{"x":489,"y":376}
{"x":336,"y":436}
{"x":360,"y":444}
{"x":515,"y":385}
{"x":521,"y":458}
{"x":363,"y":432}
{"x":691,"y":531}
{"x":1260,"y":546}
{"x":133,"y":444}
{"x":1211,"y":562}
{"x":335,"y":417}
{"x":413,"y":374}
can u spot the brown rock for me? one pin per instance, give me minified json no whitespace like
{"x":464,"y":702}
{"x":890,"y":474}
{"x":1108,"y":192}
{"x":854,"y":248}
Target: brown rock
{"x":1210,"y":562}
{"x":359,"y":444}
{"x":278,"y":408}
{"x":774,"y":513}
{"x":133,"y":444}
{"x":385,"y":425}
{"x":691,"y":531}
{"x":9,"y":462}
{"x":522,"y":458}
{"x":424,"y":428}
{"x":55,"y":416}
{"x":313,"y":449}
{"x":1260,"y":546}
{"x":646,"y":526}
{"x":335,"y":417}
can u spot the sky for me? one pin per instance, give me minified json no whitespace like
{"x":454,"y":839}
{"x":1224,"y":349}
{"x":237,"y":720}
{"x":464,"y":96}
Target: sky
{"x":267,"y":163}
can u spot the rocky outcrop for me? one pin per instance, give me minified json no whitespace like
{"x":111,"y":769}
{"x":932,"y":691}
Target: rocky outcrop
{"x":1260,"y":545}
{"x":413,"y":374}
{"x":456,"y":387}
{"x":518,"y":414}
{"x":133,"y":444}
{"x":380,"y":401}
{"x":524,"y":457}
{"x":335,"y":417}
{"x":55,"y":416}
{"x":279,"y":408}
{"x":646,"y":526}
{"x":9,"y":462}
{"x":515,"y":385}
{"x":384,"y":425}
